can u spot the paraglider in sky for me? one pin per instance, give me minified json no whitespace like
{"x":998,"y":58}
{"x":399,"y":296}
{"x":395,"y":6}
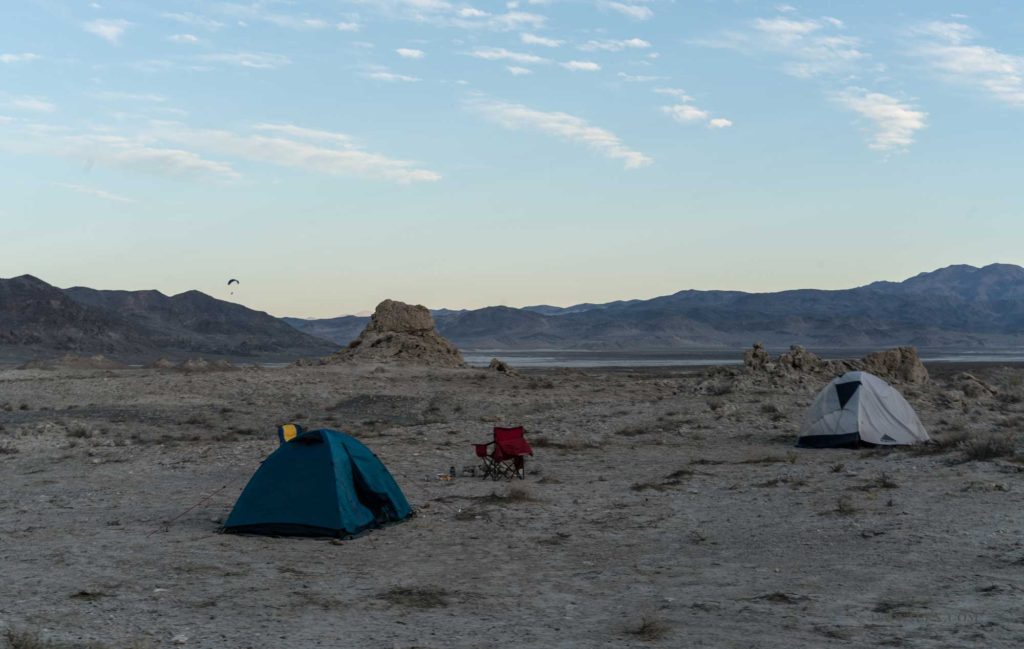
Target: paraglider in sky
{"x":233,"y":281}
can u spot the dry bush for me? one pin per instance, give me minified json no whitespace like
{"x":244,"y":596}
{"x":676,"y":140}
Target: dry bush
{"x":649,"y":629}
{"x":428,"y":597}
{"x":899,"y":606}
{"x":950,"y":440}
{"x":719,"y":389}
{"x":632,"y":431}
{"x":513,"y":495}
{"x":26,"y":640}
{"x":790,"y":458}
{"x":885,"y":481}
{"x":845,"y":506}
{"x":574,"y":444}
{"x":673,"y":479}
{"x":8,"y":450}
{"x":988,"y":447}
{"x":79,"y":431}
{"x":837,"y":467}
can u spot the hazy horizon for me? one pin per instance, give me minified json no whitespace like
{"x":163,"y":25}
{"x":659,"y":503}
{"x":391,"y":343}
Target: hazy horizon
{"x":225,"y":293}
{"x":330,"y":154}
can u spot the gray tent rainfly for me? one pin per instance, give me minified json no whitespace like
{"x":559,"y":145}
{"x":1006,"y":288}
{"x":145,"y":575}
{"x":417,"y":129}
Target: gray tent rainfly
{"x":860,"y":408}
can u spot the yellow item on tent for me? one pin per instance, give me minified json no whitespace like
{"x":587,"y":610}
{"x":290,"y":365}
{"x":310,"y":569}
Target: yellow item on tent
{"x":288,"y":432}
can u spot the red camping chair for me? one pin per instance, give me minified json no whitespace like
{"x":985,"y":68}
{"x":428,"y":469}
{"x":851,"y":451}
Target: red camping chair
{"x":508,"y":459}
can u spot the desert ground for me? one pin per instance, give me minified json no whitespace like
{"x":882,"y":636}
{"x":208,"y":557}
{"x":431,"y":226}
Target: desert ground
{"x":663,"y":508}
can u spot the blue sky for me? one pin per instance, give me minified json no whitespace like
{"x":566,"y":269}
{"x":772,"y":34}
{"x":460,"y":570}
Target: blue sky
{"x":333,"y":153}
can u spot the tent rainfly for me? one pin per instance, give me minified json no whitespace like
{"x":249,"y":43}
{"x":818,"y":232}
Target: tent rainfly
{"x":860,"y":408}
{"x":318,"y":483}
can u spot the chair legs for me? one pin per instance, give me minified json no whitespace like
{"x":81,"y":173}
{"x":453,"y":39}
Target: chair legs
{"x":507,"y":469}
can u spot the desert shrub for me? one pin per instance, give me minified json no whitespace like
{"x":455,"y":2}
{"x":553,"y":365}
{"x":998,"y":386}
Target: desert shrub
{"x":631,"y":431}
{"x":513,"y":495}
{"x":427,"y":597}
{"x":988,"y":447}
{"x":649,"y":628}
{"x":720,"y":388}
{"x":80,"y":432}
{"x":21,"y":639}
{"x":885,"y":481}
{"x":845,"y":506}
{"x":951,"y":439}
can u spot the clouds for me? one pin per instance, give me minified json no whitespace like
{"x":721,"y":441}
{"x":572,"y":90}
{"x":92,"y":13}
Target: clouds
{"x":409,"y":53}
{"x":381,"y":73}
{"x":812,"y":47}
{"x":949,"y":49}
{"x":894,"y":122}
{"x":178,"y":151}
{"x":31,"y":105}
{"x":255,"y":60}
{"x":24,"y":57}
{"x":531,"y":39}
{"x":138,"y":154}
{"x":97,"y":193}
{"x":820,"y":49}
{"x":502,"y":54}
{"x":559,"y":125}
{"x":612,"y":45}
{"x":686,"y":113}
{"x":581,"y":66}
{"x":109,"y":30}
{"x":289,"y":145}
{"x":634,"y":11}
{"x":808,"y":47}
{"x":440,"y":13}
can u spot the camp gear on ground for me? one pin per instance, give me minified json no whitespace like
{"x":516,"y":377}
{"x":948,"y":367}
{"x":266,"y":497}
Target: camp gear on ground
{"x":318,"y":483}
{"x":860,"y":408}
{"x":508,"y":458}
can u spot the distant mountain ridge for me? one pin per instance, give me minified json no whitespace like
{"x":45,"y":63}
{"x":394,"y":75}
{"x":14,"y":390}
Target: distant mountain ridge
{"x":958,"y":306}
{"x":37,"y":319}
{"x":962,"y":307}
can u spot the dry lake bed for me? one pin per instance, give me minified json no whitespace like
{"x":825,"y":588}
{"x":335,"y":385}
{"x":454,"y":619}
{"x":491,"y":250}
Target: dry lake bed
{"x":664,"y":507}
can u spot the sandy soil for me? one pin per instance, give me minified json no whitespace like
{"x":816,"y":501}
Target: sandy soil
{"x":654,"y":514}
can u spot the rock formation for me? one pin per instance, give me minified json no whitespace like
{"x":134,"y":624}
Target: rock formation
{"x":900,"y":364}
{"x":499,"y":365}
{"x":400,"y":332}
{"x":75,"y":362}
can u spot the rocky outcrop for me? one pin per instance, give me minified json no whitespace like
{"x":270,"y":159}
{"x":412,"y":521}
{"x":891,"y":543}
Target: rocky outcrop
{"x":499,"y":365}
{"x":203,"y":365}
{"x":757,"y":358}
{"x":973,"y":387}
{"x":900,"y":364}
{"x":75,"y":362}
{"x":403,"y":333}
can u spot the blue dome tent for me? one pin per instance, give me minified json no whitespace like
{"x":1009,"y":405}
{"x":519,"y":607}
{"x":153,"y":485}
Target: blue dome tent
{"x":318,"y":483}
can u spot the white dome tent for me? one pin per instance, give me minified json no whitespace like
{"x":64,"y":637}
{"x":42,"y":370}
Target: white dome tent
{"x":860,"y":408}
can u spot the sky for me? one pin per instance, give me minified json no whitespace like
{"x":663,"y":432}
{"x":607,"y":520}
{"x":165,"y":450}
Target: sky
{"x":333,"y":153}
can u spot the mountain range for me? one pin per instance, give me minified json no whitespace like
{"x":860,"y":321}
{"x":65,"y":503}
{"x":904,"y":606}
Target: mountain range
{"x":37,"y":319}
{"x":959,"y":306}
